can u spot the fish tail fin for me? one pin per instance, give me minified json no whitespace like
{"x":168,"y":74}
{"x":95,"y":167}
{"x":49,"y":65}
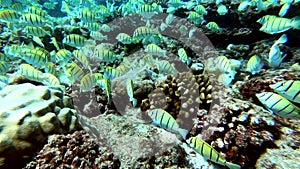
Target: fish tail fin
{"x":283,"y":38}
{"x":183,"y":133}
{"x":232,"y":165}
{"x":296,"y":22}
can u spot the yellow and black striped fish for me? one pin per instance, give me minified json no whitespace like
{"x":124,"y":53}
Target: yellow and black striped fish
{"x":82,"y":59}
{"x":36,"y":31}
{"x":278,"y":105}
{"x":35,"y":57}
{"x":166,"y":67}
{"x":124,"y":38}
{"x":50,"y":68}
{"x":33,"y":20}
{"x":31,"y":73}
{"x":105,"y":55}
{"x":154,"y":49}
{"x":145,"y":8}
{"x":289,"y":89}
{"x":9,"y":15}
{"x":166,"y":121}
{"x":276,"y":25}
{"x":183,"y":56}
{"x":4,"y":67}
{"x":110,"y":72}
{"x":87,"y":16}
{"x":75,"y":71}
{"x":38,"y":11}
{"x":208,"y":152}
{"x":130,"y":92}
{"x":50,"y":80}
{"x":92,"y":26}
{"x":105,"y":84}
{"x":87,"y":82}
{"x":74,"y":40}
{"x":63,"y":56}
{"x":144,"y":31}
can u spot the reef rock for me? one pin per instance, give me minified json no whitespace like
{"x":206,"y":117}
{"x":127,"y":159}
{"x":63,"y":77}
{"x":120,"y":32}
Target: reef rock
{"x":28,"y":114}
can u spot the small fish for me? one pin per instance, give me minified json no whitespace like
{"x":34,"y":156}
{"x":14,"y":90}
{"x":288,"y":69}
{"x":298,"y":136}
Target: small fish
{"x":285,"y":7}
{"x":195,"y":17}
{"x":224,"y":65}
{"x":63,"y":56}
{"x":75,"y":71}
{"x":106,"y":55}
{"x":278,"y":105}
{"x":130,"y":92}
{"x":110,"y":73}
{"x":87,"y":82}
{"x":124,"y":38}
{"x":31,"y":73}
{"x":275,"y":55}
{"x":3,"y":57}
{"x":82,"y":59}
{"x":106,"y":85}
{"x":87,"y":16}
{"x":122,"y":69}
{"x":98,"y":36}
{"x":33,"y":20}
{"x":50,"y":68}
{"x":74,"y":40}
{"x":266,"y":18}
{"x":50,"y":80}
{"x":165,"y":67}
{"x":54,"y":42}
{"x":106,"y":28}
{"x":213,"y":26}
{"x":200,"y":9}
{"x":9,"y":15}
{"x":226,"y":79}
{"x":278,"y":25}
{"x":289,"y":89}
{"x":154,"y":49}
{"x":164,"y":120}
{"x":208,"y":152}
{"x":4,"y":67}
{"x":169,"y":19}
{"x":12,"y":51}
{"x":35,"y":57}
{"x":254,"y":64}
{"x":243,"y":6}
{"x":93,"y":26}
{"x":37,"y":11}
{"x":37,"y":40}
{"x":36,"y":31}
{"x":222,"y":10}
{"x":143,"y":32}
{"x":183,"y":56}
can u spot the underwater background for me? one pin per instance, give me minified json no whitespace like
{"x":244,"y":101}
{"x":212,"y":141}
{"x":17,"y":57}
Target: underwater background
{"x":150,"y":84}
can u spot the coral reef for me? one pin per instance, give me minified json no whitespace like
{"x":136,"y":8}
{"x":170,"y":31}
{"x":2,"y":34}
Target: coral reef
{"x":75,"y":150}
{"x":28,"y":114}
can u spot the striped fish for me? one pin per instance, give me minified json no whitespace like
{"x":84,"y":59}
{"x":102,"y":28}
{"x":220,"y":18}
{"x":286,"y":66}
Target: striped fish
{"x":12,"y":51}
{"x":51,"y":80}
{"x":105,"y":55}
{"x":105,"y":84}
{"x":254,"y":64}
{"x":122,"y":69}
{"x":213,"y":26}
{"x":50,"y":68}
{"x":124,"y":38}
{"x":266,"y":18}
{"x":54,"y":42}
{"x":144,"y":31}
{"x":289,"y":89}
{"x":35,"y":57}
{"x":75,"y":71}
{"x":275,"y":55}
{"x":200,"y":9}
{"x":154,"y":49}
{"x":208,"y":152}
{"x":145,"y":8}
{"x":87,"y":16}
{"x":110,"y":73}
{"x":165,"y":67}
{"x":130,"y":92}
{"x":96,"y":35}
{"x":4,"y":67}
{"x":164,"y":120}
{"x":223,"y":64}
{"x":87,"y":82}
{"x":195,"y":18}
{"x":31,"y":73}
{"x":33,"y":20}
{"x":98,"y":76}
{"x":37,"y":11}
{"x":82,"y":59}
{"x":74,"y":40}
{"x":92,"y":26}
{"x":222,"y":10}
{"x":3,"y":57}
{"x":36,"y":31}
{"x":278,"y":105}
{"x":9,"y":15}
{"x":63,"y":55}
{"x":278,"y":25}
{"x":183,"y":56}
